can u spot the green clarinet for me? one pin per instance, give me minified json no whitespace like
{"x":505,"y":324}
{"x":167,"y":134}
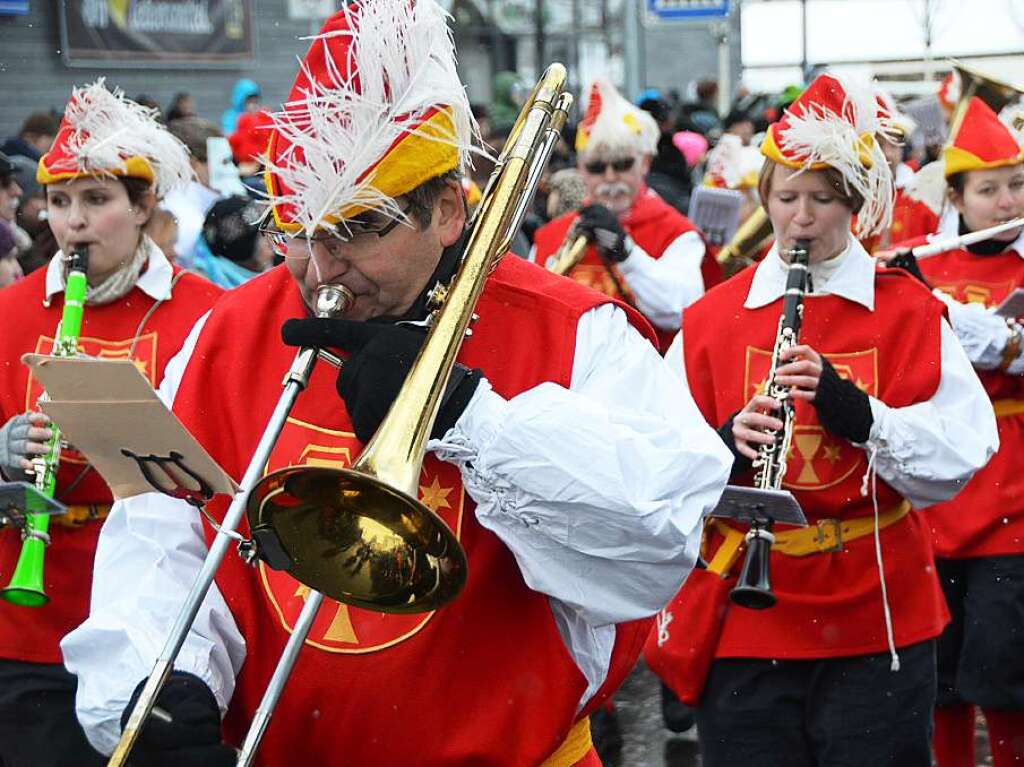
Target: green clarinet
{"x":26,"y":586}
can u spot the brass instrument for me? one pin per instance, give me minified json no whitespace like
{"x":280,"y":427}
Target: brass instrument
{"x":740,"y":250}
{"x":408,"y":560}
{"x":993,"y":92}
{"x":569,"y":253}
{"x":753,"y":588}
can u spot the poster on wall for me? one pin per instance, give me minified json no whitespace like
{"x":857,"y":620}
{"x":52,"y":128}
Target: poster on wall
{"x":157,"y":33}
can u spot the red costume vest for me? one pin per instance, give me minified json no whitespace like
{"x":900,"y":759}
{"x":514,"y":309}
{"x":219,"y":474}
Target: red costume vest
{"x":480,"y":679}
{"x":829,"y":604}
{"x":34,"y":634}
{"x":987,"y":517}
{"x":652,"y":223}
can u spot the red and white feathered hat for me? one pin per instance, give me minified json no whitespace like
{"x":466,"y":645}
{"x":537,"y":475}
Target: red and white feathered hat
{"x":949,"y":91}
{"x":902,"y":123}
{"x":981,"y":142}
{"x":833,"y":124}
{"x":612,"y":126}
{"x":731,"y":165}
{"x":376,"y":110}
{"x":105,"y":134}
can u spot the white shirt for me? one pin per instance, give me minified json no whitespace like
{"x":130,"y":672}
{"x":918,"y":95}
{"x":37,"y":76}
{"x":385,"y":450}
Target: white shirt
{"x":155,"y":280}
{"x":983,"y":334}
{"x":926,"y":451}
{"x":664,"y":286}
{"x":598,"y":490}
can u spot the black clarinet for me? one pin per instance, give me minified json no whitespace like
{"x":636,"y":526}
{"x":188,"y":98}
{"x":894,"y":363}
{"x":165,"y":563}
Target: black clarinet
{"x":754,"y":588}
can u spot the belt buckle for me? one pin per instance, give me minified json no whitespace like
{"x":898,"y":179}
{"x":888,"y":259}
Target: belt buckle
{"x":825,"y":527}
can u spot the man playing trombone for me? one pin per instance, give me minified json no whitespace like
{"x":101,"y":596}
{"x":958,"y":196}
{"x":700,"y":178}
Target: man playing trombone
{"x":641,"y":250}
{"x":561,"y":458}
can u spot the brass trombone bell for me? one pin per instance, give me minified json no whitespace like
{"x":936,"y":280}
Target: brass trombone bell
{"x":356,"y":540}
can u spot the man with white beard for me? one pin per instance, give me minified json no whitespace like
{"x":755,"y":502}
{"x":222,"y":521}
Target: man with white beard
{"x":641,"y":249}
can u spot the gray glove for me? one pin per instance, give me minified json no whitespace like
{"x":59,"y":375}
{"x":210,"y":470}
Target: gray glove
{"x":17,"y":439}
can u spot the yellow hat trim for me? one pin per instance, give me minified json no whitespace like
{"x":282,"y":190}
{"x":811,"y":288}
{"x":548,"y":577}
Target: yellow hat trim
{"x":416,"y":159}
{"x":958,"y":160}
{"x":134,"y":167}
{"x":771,"y":150}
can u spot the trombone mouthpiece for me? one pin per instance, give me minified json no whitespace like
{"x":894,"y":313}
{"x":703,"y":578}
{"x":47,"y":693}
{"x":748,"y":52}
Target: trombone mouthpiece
{"x":333,"y":300}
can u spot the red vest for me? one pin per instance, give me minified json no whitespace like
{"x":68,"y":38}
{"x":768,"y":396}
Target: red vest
{"x":829,"y":604}
{"x":483,"y":677}
{"x":652,"y":223}
{"x":987,"y":517}
{"x":33,"y":634}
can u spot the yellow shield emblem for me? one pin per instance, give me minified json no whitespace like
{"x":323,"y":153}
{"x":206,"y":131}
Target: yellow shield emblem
{"x":817,"y":460}
{"x":339,"y":628}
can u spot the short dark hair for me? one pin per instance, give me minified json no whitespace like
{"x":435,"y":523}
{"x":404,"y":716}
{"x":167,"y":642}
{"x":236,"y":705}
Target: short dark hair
{"x":39,"y":124}
{"x":422,"y":198}
{"x":850,"y":197}
{"x":193,"y":133}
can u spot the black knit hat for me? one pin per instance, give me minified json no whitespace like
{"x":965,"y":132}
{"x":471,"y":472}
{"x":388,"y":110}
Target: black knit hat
{"x":228,"y":228}
{"x":7,"y":168}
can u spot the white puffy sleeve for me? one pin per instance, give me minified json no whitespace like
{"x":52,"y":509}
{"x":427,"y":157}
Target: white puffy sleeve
{"x":150,"y":549}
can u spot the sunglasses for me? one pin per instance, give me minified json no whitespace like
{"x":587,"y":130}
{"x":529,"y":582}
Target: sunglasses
{"x":597,"y":167}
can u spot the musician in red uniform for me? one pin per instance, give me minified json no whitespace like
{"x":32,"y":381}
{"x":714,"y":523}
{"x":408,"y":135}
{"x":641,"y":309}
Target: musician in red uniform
{"x":642,"y":250}
{"x":107,"y":168}
{"x":979,"y":536}
{"x":573,"y":479}
{"x":912,"y":215}
{"x":889,"y":418}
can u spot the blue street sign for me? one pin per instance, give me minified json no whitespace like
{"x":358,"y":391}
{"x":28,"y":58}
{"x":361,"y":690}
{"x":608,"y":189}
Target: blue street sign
{"x":683,"y":10}
{"x":13,"y":7}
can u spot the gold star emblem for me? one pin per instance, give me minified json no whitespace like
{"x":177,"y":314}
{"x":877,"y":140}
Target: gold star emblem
{"x":831,"y":454}
{"x":141,"y":365}
{"x":862,"y":385}
{"x":761,"y":387}
{"x":434,"y":496}
{"x":340,"y":629}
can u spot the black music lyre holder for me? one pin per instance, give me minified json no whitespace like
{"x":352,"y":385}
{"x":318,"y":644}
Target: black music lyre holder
{"x":166,"y":474}
{"x":753,"y":505}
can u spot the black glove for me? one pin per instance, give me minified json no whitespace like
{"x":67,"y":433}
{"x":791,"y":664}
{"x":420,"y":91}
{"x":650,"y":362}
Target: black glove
{"x":843,"y":409}
{"x":602,"y":228}
{"x":381,"y":355}
{"x":740,"y":463}
{"x":191,"y":738}
{"x":907,"y":261}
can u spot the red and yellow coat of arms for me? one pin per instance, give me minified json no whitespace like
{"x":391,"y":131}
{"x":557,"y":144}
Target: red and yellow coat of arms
{"x":817,"y":460}
{"x":599,"y":278}
{"x":973,"y":291}
{"x":144,"y":357}
{"x":339,"y":628}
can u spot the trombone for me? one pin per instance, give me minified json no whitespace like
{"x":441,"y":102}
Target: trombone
{"x":739,"y":252}
{"x":569,"y":253}
{"x":422,"y":560}
{"x":993,"y":92}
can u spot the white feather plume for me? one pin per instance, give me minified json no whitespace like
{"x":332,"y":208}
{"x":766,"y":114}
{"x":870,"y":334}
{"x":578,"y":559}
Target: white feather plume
{"x":620,"y":127}
{"x":404,"y":57}
{"x":819,"y":135}
{"x":109,"y":128}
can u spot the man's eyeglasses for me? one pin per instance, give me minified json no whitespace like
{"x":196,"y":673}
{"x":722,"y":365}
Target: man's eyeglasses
{"x":597,"y":167}
{"x":345,"y":231}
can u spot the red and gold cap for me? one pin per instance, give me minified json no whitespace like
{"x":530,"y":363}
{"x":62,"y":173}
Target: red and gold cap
{"x":612,"y":126}
{"x":105,"y":134}
{"x":902,"y":124}
{"x":731,"y":165}
{"x":983,"y":141}
{"x":833,"y":124}
{"x":376,"y":110}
